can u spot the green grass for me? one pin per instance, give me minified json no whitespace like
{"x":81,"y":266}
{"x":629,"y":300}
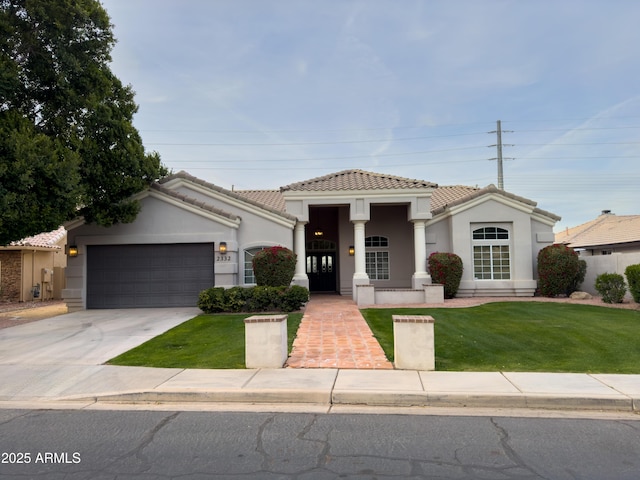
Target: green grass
{"x":206,"y":341}
{"x":526,"y":336}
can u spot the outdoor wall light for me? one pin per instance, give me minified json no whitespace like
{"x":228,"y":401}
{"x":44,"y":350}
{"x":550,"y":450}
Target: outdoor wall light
{"x":73,"y":250}
{"x":352,"y":250}
{"x":318,"y":233}
{"x":223,"y":247}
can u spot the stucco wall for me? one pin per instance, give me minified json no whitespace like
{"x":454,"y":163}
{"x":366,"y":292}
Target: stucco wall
{"x":599,"y":264}
{"x":496,"y":213}
{"x":391,"y":221}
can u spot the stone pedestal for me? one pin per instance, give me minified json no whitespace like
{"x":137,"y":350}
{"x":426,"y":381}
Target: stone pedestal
{"x":365,"y":295}
{"x":413,"y":342}
{"x":433,"y":293}
{"x":265,"y":339}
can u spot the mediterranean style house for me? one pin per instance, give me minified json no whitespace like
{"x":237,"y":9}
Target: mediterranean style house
{"x":348,"y":229}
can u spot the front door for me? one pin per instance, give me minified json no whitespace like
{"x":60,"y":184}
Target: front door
{"x":321,"y":270}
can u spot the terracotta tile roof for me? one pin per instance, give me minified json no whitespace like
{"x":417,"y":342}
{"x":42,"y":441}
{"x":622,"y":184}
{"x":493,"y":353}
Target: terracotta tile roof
{"x":267,"y":202}
{"x":441,"y":197}
{"x":193,"y":201}
{"x":269,"y":198}
{"x":478,"y":192}
{"x":607,"y":229}
{"x":445,"y":195}
{"x":43,"y":240}
{"x":356,"y":180}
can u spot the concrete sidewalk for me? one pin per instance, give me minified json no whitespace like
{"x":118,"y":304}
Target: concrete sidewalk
{"x":106,"y":384}
{"x":60,"y":361}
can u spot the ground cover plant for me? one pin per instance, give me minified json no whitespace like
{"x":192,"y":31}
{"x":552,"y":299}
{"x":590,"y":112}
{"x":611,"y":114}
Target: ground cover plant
{"x":525,"y":336}
{"x":206,"y":341}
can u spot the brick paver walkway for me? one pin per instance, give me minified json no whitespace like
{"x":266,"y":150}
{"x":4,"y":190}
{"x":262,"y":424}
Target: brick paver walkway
{"x":333,"y":334}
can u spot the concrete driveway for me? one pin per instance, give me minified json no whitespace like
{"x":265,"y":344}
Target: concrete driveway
{"x":64,"y":355}
{"x":89,"y":337}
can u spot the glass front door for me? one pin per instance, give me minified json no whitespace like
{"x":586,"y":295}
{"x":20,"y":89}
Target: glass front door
{"x":321,"y":270}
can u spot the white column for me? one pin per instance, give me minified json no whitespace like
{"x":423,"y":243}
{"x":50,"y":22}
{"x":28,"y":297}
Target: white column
{"x":420,"y":275}
{"x":299,"y":245}
{"x":360,"y":276}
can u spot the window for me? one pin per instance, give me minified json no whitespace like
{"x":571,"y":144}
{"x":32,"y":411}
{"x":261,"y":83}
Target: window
{"x":249,"y":277}
{"x":376,"y":241}
{"x":491,"y":254}
{"x":377,"y":265}
{"x":377,"y":260}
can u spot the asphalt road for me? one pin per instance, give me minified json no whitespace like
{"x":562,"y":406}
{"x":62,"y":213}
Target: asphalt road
{"x":75,"y":444}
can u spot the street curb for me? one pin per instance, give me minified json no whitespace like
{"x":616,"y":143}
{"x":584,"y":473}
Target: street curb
{"x":379,"y":398}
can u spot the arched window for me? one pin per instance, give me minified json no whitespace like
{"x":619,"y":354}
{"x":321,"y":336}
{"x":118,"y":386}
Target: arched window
{"x":491,"y":253}
{"x":376,"y":241}
{"x":249,"y":277}
{"x":377,"y":257}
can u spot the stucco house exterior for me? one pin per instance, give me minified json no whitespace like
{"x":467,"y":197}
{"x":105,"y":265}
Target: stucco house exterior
{"x":348,"y":228}
{"x":33,"y":268}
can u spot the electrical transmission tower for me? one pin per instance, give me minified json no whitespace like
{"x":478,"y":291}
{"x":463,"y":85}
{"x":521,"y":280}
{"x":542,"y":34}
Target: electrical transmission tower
{"x":499,"y":158}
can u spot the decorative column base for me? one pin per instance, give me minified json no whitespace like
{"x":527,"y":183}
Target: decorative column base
{"x":419,"y":279}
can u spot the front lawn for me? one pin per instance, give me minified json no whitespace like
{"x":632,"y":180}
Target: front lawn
{"x":525,"y":336}
{"x":206,"y":341}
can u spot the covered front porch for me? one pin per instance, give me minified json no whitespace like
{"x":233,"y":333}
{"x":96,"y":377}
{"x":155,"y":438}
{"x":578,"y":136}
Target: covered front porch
{"x":338,"y":253}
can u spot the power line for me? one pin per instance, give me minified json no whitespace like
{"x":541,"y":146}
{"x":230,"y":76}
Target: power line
{"x":289,"y":144}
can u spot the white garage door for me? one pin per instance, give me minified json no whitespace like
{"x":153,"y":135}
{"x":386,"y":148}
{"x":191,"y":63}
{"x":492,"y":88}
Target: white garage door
{"x":136,"y":276}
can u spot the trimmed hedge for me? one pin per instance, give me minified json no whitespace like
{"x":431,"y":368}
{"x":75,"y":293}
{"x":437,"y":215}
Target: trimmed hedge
{"x":559,"y":270}
{"x":446,"y":268}
{"x":632,"y":273}
{"x":253,"y":299}
{"x":611,"y":287}
{"x":274,"y":267}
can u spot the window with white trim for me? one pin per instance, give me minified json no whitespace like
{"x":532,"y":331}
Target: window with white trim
{"x":491,"y":254}
{"x":377,"y":257}
{"x":249,"y":276}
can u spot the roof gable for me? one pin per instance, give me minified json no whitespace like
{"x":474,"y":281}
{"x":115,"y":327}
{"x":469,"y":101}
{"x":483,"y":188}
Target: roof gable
{"x":475,"y":194}
{"x":348,"y":180}
{"x":265,"y":200}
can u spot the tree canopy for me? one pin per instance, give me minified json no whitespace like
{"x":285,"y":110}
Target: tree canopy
{"x":68,"y":147}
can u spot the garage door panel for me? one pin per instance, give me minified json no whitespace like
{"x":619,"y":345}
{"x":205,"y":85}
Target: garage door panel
{"x":130,"y":276}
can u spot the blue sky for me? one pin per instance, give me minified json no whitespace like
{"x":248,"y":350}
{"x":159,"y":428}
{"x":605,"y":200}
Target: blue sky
{"x":257,"y":94}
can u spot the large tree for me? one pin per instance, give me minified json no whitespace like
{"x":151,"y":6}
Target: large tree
{"x":68,"y":147}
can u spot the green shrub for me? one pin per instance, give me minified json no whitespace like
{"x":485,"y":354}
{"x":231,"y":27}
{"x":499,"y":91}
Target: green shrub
{"x":235,"y":299}
{"x":274,"y":267}
{"x":293,"y":298}
{"x":446,"y":268}
{"x":253,"y":299}
{"x":611,"y":287}
{"x":633,"y":279}
{"x":558,"y":270}
{"x":574,"y":286}
{"x":212,"y":300}
{"x":263,"y":299}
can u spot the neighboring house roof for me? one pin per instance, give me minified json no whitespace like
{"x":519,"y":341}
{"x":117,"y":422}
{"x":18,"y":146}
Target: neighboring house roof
{"x":48,"y":240}
{"x":356,"y":180}
{"x":607,"y":229}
